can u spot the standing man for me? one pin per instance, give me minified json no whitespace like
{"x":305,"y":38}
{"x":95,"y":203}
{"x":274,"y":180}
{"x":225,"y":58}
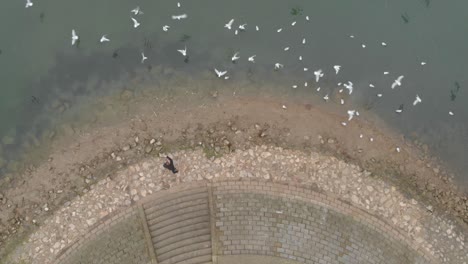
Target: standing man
{"x":169,"y":164}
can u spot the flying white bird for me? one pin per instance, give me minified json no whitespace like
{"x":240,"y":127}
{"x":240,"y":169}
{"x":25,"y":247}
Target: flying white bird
{"x":29,"y":3}
{"x":183,"y":51}
{"x":137,"y":11}
{"x":166,"y":28}
{"x":135,"y":23}
{"x":349,"y":86}
{"x":236,"y":32}
{"x":286,"y":49}
{"x":371,"y":85}
{"x":278,"y":66}
{"x":293,"y":23}
{"x":318,"y":74}
{"x":400,"y":109}
{"x":385,"y":73}
{"x":318,"y":89}
{"x":326,"y":97}
{"x":337,"y":68}
{"x":252,"y":58}
{"x":179,"y":17}
{"x":303,"y":41}
{"x":417,"y":100}
{"x":143,"y":57}
{"x":220,"y":73}
{"x":397,"y":82}
{"x":74,"y":37}
{"x":451,"y":113}
{"x":229,"y":24}
{"x":104,"y":39}
{"x":235,"y":57}
{"x":423,"y":63}
{"x":351,"y":114}
{"x":257,"y":28}
{"x":279,"y":30}
{"x":242,"y":27}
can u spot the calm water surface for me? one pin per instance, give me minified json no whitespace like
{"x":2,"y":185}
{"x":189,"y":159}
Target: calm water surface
{"x":40,"y":70}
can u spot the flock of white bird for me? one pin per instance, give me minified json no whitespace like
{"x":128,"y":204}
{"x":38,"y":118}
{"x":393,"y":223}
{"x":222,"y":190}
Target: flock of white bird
{"x":277,"y":66}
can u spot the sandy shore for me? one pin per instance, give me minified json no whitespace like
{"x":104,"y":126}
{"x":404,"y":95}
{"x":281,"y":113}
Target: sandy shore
{"x":226,"y":129}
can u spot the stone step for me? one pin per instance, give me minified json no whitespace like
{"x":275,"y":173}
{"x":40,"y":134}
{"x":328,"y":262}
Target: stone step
{"x":176,"y":232}
{"x":193,"y":257}
{"x":183,"y":249}
{"x":171,"y":196}
{"x":174,"y":239}
{"x":181,"y":216}
{"x":193,"y":239}
{"x":166,"y":206}
{"x":170,"y":212}
{"x":179,"y":224}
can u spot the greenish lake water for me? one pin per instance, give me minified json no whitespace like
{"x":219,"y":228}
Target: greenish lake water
{"x":40,"y":69}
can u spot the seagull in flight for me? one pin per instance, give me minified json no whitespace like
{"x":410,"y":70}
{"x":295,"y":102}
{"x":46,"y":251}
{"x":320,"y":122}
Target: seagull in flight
{"x":229,"y":24}
{"x":337,"y":68}
{"x":136,"y":11}
{"x":326,"y":97}
{"x":166,"y":28}
{"x":183,"y":51}
{"x":397,"y":82}
{"x":135,"y":23}
{"x":400,"y":109}
{"x":74,"y":37}
{"x":143,"y":57}
{"x":220,"y":73}
{"x":279,"y":30}
{"x":242,"y":27}
{"x":318,"y":74}
{"x":235,"y":57}
{"x":351,"y":114}
{"x":417,"y":100}
{"x":179,"y":17}
{"x":104,"y":39}
{"x":349,"y":86}
{"x":29,"y":3}
{"x":252,"y":58}
{"x":278,"y":66}
{"x":293,"y":23}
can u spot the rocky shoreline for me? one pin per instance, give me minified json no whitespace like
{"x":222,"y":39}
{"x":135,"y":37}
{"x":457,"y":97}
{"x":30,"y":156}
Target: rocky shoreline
{"x":208,"y":137}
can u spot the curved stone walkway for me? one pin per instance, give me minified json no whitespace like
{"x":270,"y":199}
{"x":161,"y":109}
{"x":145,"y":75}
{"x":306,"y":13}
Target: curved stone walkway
{"x":197,"y":222}
{"x":432,"y":233}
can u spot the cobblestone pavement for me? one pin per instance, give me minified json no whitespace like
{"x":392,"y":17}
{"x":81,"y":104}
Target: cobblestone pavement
{"x":433,"y":233}
{"x":112,"y":242}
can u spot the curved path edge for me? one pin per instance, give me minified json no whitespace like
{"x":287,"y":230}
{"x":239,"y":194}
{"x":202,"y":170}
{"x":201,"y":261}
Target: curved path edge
{"x":297,"y":192}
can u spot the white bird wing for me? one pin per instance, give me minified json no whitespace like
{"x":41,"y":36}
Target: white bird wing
{"x":229,"y":24}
